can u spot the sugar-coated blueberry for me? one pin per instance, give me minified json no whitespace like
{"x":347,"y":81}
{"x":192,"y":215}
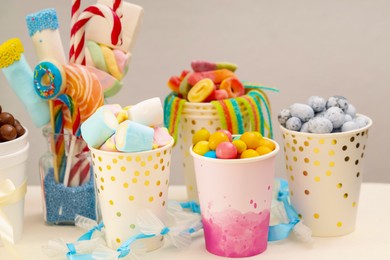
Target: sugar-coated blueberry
{"x":302,"y":111}
{"x":336,"y":116}
{"x":362,"y":121}
{"x":305,"y":127}
{"x":317,"y":103}
{"x":348,"y":118}
{"x":337,"y":101}
{"x":320,"y":125}
{"x":294,"y":124}
{"x":351,"y":110}
{"x":320,"y":114}
{"x":283,"y":116}
{"x":349,"y":126}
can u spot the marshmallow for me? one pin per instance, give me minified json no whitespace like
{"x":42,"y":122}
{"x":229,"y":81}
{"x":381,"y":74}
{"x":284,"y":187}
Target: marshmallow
{"x":148,"y":112}
{"x":99,"y":127}
{"x":109,"y":145}
{"x":98,"y":28}
{"x":161,"y":137}
{"x":110,"y":85}
{"x":133,"y":137}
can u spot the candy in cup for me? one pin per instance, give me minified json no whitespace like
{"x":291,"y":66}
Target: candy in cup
{"x":235,"y":179}
{"x":14,"y":148}
{"x":131,"y":162}
{"x":325,"y":145}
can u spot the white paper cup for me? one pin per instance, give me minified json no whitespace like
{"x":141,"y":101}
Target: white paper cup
{"x":188,"y":125}
{"x":15,"y":145}
{"x":324,"y":174}
{"x":13,"y":168}
{"x":235,"y":199}
{"x":128,"y":183}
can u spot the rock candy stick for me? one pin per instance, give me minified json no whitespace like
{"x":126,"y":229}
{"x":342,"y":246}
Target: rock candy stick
{"x":20,"y":78}
{"x":77,"y":54}
{"x":43,"y":30}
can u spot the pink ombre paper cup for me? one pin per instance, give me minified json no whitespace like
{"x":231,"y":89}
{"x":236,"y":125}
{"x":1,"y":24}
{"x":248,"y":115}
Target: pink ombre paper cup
{"x":235,"y":200}
{"x":324,"y":174}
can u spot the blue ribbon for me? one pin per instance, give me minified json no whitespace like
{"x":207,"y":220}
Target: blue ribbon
{"x":192,"y":205}
{"x":73,"y":255}
{"x":88,"y":234}
{"x":282,"y":230}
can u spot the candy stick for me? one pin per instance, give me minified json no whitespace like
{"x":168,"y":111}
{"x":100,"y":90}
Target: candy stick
{"x":20,"y":78}
{"x":77,"y":54}
{"x":75,"y":12}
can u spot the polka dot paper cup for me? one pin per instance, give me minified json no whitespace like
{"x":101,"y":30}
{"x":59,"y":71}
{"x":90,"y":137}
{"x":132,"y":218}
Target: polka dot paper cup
{"x":324,"y":174}
{"x":205,"y":117}
{"x":128,"y":183}
{"x":235,"y":199}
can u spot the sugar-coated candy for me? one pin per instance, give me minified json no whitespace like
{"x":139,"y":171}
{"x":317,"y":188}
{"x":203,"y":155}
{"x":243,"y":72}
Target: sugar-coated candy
{"x":6,"y":118}
{"x":201,"y":90}
{"x":226,"y":150}
{"x":217,"y":138}
{"x":217,"y":76}
{"x":109,"y":145}
{"x":249,"y":153}
{"x":251,"y":139}
{"x":320,"y":125}
{"x":337,"y":101}
{"x":233,"y":87}
{"x":262,"y":150}
{"x":349,"y":126}
{"x":99,"y":127}
{"x":317,"y":103}
{"x":294,"y":123}
{"x":336,"y":116}
{"x":134,"y":137}
{"x":200,"y":135}
{"x":201,"y":147}
{"x":347,"y":118}
{"x":283,"y":116}
{"x":305,"y":127}
{"x":211,"y":154}
{"x":200,"y":66}
{"x":240,"y":145}
{"x":148,"y":112}
{"x":303,"y":111}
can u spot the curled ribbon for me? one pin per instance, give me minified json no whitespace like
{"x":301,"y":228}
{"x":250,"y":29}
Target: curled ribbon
{"x":9,"y":194}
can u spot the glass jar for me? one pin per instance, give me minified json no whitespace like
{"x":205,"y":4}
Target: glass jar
{"x":61,"y":203}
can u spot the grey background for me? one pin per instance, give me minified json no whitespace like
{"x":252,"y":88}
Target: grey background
{"x":301,"y":47}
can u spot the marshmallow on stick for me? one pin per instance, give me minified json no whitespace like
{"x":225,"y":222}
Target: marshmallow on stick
{"x":20,"y":78}
{"x":43,"y":30}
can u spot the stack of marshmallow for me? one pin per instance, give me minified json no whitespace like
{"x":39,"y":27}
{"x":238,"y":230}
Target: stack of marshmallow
{"x":130,"y":129}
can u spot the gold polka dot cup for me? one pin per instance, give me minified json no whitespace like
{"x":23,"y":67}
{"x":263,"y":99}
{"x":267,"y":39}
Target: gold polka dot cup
{"x":324,"y":173}
{"x":194,"y":117}
{"x":128,"y":183}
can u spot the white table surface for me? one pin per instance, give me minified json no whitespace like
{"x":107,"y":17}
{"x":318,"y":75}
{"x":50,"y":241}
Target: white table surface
{"x":370,"y":240}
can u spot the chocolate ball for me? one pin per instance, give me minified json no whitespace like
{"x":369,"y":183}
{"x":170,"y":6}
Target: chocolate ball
{"x":7,"y":118}
{"x":19,"y":128}
{"x":7,"y":132}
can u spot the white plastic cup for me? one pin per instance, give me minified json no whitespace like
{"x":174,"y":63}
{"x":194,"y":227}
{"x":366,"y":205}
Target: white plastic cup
{"x":15,"y":145}
{"x":235,"y":200}
{"x":13,"y":168}
{"x":324,"y":173}
{"x":128,"y":183}
{"x":205,"y":117}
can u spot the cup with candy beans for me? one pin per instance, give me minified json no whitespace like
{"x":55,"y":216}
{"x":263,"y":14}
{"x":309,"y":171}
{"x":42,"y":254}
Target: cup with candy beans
{"x":234,"y":175}
{"x":14,"y":149}
{"x":212,"y":96}
{"x":325,"y":145}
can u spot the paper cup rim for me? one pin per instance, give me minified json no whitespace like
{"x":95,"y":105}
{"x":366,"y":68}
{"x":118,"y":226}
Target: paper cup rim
{"x":17,"y":142}
{"x":235,"y":161}
{"x":170,"y":144}
{"x":339,"y":134}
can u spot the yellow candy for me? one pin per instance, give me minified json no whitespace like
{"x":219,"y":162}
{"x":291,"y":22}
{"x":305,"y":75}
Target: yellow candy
{"x":268,"y":143}
{"x":262,"y":150}
{"x":250,"y":153}
{"x":201,"y":90}
{"x":122,"y":116}
{"x":201,"y":147}
{"x":217,"y":138}
{"x":252,"y":139}
{"x":240,"y":146}
{"x":200,"y":135}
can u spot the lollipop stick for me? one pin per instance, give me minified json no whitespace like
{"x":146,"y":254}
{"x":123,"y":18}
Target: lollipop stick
{"x":52,"y":142}
{"x":69,"y":160}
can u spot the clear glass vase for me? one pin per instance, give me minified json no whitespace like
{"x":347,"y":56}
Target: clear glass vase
{"x":61,"y":203}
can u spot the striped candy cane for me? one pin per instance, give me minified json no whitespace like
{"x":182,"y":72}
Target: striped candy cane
{"x":77,"y":54}
{"x":75,"y":13}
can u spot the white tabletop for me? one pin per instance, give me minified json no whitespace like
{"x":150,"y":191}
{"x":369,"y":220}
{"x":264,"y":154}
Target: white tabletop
{"x":370,"y":240}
